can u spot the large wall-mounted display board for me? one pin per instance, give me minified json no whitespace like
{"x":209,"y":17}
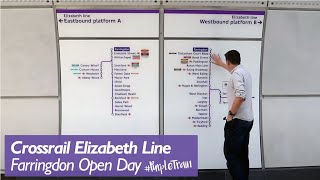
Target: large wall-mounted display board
{"x":109,"y":86}
{"x":195,"y":95}
{"x":195,"y":89}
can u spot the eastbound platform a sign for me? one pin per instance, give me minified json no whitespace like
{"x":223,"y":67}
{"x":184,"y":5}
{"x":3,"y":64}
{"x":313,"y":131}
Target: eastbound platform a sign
{"x":213,"y":23}
{"x":108,"y":23}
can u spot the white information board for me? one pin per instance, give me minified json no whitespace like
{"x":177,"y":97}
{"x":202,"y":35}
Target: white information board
{"x":110,"y":87}
{"x":195,"y":95}
{"x":213,"y":23}
{"x":107,"y":23}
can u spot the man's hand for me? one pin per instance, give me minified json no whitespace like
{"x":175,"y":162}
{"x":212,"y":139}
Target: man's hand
{"x":217,"y":60}
{"x":229,"y":118}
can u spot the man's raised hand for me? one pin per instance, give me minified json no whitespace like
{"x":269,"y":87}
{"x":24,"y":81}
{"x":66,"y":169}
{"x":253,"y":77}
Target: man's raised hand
{"x":217,"y":60}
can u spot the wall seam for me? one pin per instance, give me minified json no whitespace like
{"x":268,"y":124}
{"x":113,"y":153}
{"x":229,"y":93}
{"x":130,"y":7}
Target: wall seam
{"x":263,"y":165}
{"x":58,"y":68}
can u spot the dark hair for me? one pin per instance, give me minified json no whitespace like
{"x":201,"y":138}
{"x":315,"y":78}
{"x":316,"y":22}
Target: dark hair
{"x":233,"y":57}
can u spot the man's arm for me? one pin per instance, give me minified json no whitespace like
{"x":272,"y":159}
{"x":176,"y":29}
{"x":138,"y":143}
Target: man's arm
{"x":240,"y":93}
{"x":235,"y":106}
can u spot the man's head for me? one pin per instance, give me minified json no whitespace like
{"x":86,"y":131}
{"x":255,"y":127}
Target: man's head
{"x":233,"y":58}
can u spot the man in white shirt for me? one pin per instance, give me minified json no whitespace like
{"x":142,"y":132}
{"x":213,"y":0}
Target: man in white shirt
{"x":240,"y":116}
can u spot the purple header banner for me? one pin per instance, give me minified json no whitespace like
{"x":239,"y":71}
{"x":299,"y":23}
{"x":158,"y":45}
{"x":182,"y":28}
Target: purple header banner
{"x":121,"y":48}
{"x":200,"y":49}
{"x":118,"y":155}
{"x":169,"y":11}
{"x":106,"y":11}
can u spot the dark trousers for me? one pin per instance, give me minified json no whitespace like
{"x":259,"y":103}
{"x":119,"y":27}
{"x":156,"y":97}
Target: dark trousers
{"x":236,"y":134}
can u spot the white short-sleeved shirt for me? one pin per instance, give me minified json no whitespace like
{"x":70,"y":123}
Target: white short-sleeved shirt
{"x":240,"y":85}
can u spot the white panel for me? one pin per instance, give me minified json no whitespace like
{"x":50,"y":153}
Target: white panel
{"x":28,"y":53}
{"x":290,"y":61}
{"x":103,"y":90}
{"x":108,"y":23}
{"x":213,"y":23}
{"x":181,"y":106}
{"x":291,"y":131}
{"x":28,"y":117}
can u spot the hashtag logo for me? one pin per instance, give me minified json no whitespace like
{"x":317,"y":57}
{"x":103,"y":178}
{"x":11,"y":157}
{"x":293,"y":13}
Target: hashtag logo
{"x":147,"y":168}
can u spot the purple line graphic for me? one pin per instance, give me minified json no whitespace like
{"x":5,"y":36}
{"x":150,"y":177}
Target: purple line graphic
{"x":112,"y":78}
{"x":171,"y":11}
{"x":220,"y":94}
{"x":112,"y":84}
{"x":217,"y":90}
{"x":210,"y":54}
{"x":106,"y":11}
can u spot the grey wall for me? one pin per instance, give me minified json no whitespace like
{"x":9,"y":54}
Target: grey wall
{"x":291,"y":55}
{"x":291,"y":89}
{"x":29,"y":73}
{"x":27,"y":116}
{"x":29,"y":55}
{"x":291,"y":131}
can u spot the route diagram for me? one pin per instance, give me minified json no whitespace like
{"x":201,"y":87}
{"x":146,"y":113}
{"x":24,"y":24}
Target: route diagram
{"x":101,"y":74}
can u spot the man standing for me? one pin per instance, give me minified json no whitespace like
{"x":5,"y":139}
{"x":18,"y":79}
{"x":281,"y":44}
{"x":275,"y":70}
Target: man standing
{"x":240,"y":116}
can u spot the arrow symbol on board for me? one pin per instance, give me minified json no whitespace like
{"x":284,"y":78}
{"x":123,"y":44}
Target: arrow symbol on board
{"x":260,"y":22}
{"x":60,"y":20}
